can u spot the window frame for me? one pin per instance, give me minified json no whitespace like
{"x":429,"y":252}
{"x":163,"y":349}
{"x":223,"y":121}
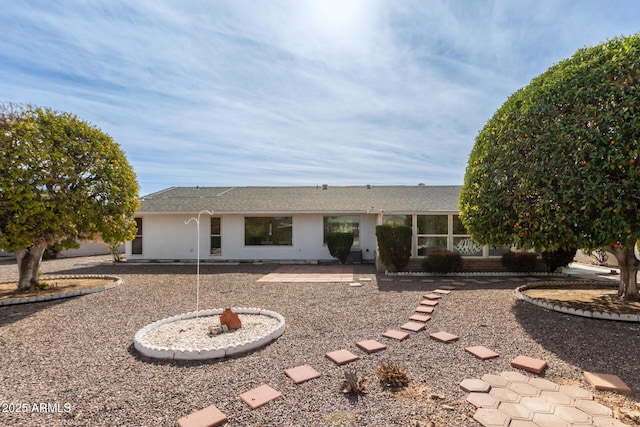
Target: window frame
{"x":356,"y":236}
{"x":273,"y":225}
{"x":137,"y":242}
{"x":215,"y":251}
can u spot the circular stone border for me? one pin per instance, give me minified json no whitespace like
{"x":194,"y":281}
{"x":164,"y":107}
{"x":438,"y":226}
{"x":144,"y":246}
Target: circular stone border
{"x":157,"y":352}
{"x":117,"y":281}
{"x":519,"y":293}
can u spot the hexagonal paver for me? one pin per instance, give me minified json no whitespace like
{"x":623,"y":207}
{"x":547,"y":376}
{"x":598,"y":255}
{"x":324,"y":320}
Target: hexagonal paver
{"x":572,"y":415}
{"x":549,"y":420}
{"x":483,"y":400}
{"x":472,"y":384}
{"x":556,"y":398}
{"x":575,"y":392}
{"x":515,"y":411}
{"x":537,"y":405}
{"x":514,"y":377}
{"x":505,"y":395}
{"x":543,"y":385}
{"x":607,"y":422}
{"x":524,"y":389}
{"x":523,"y":423}
{"x":495,"y":380}
{"x":491,"y":417}
{"x":593,"y":408}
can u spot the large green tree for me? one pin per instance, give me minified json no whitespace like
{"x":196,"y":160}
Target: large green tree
{"x":62,"y":180}
{"x":557,"y":166}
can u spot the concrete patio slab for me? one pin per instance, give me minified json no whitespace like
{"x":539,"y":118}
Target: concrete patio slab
{"x":310,"y":274}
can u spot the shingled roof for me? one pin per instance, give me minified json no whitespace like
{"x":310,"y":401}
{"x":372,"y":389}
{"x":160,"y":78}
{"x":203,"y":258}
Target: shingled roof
{"x":279,"y":200}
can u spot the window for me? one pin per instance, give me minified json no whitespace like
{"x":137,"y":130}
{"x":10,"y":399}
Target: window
{"x":136,"y":244}
{"x":268,"y":231}
{"x":433,"y":232}
{"x":397,"y":220}
{"x":343,"y":224}
{"x":216,"y":236}
{"x":462,"y":242}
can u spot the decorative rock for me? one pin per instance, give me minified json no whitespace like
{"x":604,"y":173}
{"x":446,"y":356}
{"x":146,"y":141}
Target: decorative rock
{"x":230,"y":319}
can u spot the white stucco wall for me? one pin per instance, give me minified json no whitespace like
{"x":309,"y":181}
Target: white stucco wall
{"x":167,"y":237}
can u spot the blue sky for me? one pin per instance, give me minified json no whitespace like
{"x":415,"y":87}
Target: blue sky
{"x":297,"y":92}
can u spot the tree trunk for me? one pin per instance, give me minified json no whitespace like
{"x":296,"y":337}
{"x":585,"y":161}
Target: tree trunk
{"x":629,"y":266}
{"x":28,"y":266}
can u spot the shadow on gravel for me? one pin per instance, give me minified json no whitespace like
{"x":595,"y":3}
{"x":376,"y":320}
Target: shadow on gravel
{"x":16,"y":312}
{"x":182,"y":269}
{"x":417,"y":283}
{"x":592,"y":345}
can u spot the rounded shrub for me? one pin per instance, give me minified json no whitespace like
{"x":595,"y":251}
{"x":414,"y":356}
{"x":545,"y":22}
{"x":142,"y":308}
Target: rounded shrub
{"x":442,"y":262}
{"x":520,"y":261}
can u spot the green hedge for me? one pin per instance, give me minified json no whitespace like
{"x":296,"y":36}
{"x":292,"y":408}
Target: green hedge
{"x":520,"y":261}
{"x":394,"y":245}
{"x":339,"y":245}
{"x":442,"y":262}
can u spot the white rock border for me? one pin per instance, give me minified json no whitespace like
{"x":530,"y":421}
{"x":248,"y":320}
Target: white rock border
{"x":208,"y":353}
{"x":518,"y":293}
{"x":117,"y":281}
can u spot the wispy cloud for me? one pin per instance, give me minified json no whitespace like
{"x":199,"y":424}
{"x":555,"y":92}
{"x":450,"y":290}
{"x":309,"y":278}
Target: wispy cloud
{"x":292,"y":92}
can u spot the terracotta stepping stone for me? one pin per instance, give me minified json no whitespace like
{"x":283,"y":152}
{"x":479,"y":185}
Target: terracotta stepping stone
{"x":429,"y":302}
{"x":442,"y":291}
{"x":446,"y":288}
{"x":432,"y":296}
{"x":207,"y":417}
{"x":443,"y":336}
{"x":481,"y":352}
{"x":302,"y":373}
{"x":413,"y":326}
{"x":259,"y":396}
{"x":420,"y":318}
{"x":424,"y":309}
{"x":529,"y":364}
{"x":396,"y":335}
{"x":606,"y":382}
{"x":371,"y":346}
{"x":342,"y":357}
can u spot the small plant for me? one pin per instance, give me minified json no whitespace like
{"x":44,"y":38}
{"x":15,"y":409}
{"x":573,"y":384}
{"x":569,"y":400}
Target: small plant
{"x":339,"y":245}
{"x":116,"y":250}
{"x":601,"y":256}
{"x":520,"y":261}
{"x":352,"y":384}
{"x":392,"y":375}
{"x":442,"y":262}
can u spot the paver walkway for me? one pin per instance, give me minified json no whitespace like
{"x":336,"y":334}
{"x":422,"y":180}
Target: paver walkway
{"x":310,"y":274}
{"x":510,"y":399}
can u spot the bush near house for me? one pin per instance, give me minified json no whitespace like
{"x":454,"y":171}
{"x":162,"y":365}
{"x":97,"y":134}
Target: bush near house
{"x":519,"y":261}
{"x":557,"y":259}
{"x":394,"y":245}
{"x":339,"y":245}
{"x":442,"y":262}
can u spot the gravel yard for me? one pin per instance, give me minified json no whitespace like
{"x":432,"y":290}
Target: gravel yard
{"x":77,"y":355}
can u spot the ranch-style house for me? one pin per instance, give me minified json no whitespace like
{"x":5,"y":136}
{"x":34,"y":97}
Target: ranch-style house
{"x":290,"y":224}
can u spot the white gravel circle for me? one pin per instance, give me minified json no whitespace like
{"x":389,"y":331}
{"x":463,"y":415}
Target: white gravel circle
{"x":186,"y":336}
